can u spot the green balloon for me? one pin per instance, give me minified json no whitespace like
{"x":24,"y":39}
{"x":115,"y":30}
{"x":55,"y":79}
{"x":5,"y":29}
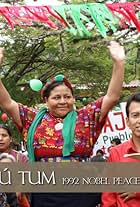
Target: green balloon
{"x":35,"y":84}
{"x":84,"y":99}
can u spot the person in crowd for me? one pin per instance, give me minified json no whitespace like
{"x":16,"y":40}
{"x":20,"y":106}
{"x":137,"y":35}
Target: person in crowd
{"x":99,"y":157}
{"x":11,"y":155}
{"x":58,"y":132}
{"x":6,"y":144}
{"x":115,"y":142}
{"x":8,"y":199}
{"x":117,"y":154}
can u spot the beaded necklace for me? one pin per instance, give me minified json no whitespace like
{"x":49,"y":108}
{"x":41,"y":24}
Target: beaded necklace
{"x":58,"y":122}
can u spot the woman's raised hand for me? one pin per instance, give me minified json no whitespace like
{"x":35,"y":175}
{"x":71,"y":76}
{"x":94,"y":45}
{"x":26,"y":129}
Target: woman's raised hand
{"x":117,"y":51}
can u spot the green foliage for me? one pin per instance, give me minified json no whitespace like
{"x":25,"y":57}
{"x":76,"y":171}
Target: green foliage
{"x":34,"y":53}
{"x":37,"y":52}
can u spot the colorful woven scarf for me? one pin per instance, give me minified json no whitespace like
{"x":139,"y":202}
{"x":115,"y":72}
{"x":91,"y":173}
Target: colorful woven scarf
{"x":69,"y":123}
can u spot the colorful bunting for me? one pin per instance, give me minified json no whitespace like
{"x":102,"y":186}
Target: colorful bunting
{"x":127,"y":13}
{"x":76,"y":18}
{"x":87,"y":13}
{"x":26,"y":15}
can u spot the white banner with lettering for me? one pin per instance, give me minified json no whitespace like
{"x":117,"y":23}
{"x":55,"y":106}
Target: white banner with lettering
{"x":115,"y":127}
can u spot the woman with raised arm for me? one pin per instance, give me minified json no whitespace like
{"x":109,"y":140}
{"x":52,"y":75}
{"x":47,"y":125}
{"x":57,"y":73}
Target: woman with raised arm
{"x":58,"y":132}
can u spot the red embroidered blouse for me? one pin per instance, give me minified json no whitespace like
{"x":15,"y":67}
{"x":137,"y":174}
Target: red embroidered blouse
{"x":112,"y":199}
{"x":48,"y":140}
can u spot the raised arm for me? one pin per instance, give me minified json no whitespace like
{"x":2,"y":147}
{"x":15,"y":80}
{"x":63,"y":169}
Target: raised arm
{"x":115,"y":85}
{"x":6,"y":103}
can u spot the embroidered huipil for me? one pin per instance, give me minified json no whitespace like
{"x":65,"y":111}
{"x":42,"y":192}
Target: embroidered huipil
{"x":48,"y":140}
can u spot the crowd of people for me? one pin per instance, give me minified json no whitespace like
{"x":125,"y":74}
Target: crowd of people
{"x":8,"y":154}
{"x":59,"y":132}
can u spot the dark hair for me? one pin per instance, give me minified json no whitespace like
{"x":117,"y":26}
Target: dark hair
{"x":100,"y":151}
{"x":3,"y":126}
{"x":52,"y":86}
{"x":133,"y":98}
{"x":116,"y":140}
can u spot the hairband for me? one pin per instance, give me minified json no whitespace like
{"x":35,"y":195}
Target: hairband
{"x":58,"y":78}
{"x":37,"y":85}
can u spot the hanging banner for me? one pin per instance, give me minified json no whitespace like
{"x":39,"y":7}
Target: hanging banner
{"x":77,"y":19}
{"x":28,"y":15}
{"x":127,"y":13}
{"x":83,"y":15}
{"x":115,"y":127}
